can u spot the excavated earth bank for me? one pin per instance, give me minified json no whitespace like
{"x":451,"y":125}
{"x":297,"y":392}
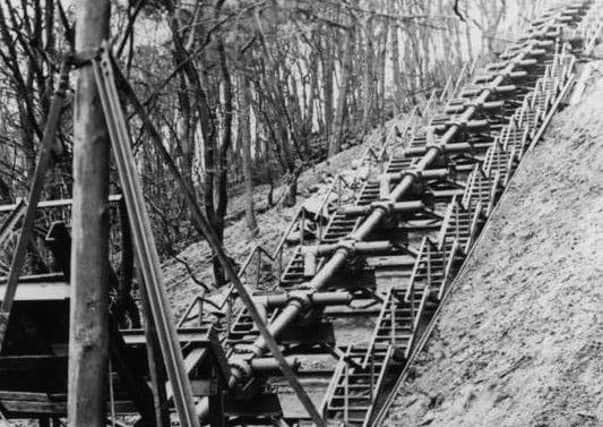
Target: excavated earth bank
{"x":519,"y":341}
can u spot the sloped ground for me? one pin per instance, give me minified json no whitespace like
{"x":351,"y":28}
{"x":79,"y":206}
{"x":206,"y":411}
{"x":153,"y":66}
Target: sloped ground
{"x":519,"y":342}
{"x":272,"y":222}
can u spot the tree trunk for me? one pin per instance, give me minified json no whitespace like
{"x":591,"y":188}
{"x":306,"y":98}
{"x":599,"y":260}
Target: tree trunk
{"x":220,"y":194}
{"x":124,"y":303}
{"x":367,"y":74}
{"x":293,"y":166}
{"x":395,"y":57}
{"x":245,"y":145}
{"x":338,"y":120}
{"x":327,"y":75}
{"x":313,"y":92}
{"x":380,"y":74}
{"x":425,"y":34}
{"x":89,"y":322}
{"x":469,"y":40}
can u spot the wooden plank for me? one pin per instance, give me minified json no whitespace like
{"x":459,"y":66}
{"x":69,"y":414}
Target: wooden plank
{"x":198,"y":336}
{"x":57,"y":203}
{"x":14,"y":408}
{"x":35,"y":278}
{"x":31,"y":397}
{"x":40,"y":291}
{"x":31,"y":409}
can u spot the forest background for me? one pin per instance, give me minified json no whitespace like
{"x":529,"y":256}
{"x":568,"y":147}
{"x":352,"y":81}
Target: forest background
{"x":243,"y":93}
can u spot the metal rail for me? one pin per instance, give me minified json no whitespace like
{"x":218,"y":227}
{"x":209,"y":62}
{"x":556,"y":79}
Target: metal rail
{"x":383,"y":412}
{"x":144,"y":244}
{"x":521,"y":57}
{"x":299,"y":303}
{"x":368,"y":225}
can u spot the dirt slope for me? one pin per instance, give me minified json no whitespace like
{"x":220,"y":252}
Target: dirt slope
{"x":181,"y":288}
{"x":520,"y":340}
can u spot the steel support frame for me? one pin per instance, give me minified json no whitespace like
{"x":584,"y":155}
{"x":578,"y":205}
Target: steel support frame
{"x":524,"y":56}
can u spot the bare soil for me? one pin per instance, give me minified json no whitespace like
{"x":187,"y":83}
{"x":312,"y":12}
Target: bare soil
{"x":519,"y":342}
{"x":272,"y":222}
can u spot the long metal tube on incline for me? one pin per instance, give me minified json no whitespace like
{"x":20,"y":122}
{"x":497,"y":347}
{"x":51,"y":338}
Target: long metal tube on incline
{"x":295,"y":306}
{"x":298,"y":303}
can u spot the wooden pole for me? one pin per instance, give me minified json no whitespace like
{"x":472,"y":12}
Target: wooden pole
{"x":89,"y":321}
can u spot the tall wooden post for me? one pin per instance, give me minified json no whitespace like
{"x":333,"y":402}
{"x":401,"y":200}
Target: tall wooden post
{"x":89,"y":330}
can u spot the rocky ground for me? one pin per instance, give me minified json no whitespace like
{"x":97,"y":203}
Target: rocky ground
{"x":519,"y":342}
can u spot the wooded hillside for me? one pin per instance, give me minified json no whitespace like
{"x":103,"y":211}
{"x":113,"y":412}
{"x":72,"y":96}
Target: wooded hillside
{"x":242,"y":92}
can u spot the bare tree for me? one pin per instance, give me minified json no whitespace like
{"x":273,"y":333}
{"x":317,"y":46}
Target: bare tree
{"x":244,"y":141}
